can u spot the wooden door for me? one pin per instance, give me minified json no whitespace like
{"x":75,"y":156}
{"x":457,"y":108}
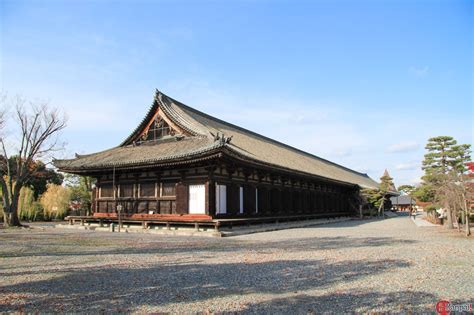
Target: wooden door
{"x":197,"y":199}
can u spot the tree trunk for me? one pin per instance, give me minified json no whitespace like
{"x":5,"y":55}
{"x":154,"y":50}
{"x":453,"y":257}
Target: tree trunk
{"x":10,"y":214}
{"x":468,"y":229}
{"x":11,"y":219}
{"x":467,"y":212}
{"x":449,"y":225}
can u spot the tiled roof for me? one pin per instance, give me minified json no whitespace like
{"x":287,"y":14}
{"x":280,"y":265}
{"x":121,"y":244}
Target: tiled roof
{"x":203,"y":130}
{"x":402,"y":200}
{"x":144,"y":154}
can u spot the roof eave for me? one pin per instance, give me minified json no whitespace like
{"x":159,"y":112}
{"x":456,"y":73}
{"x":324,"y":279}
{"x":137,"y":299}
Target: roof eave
{"x":229,"y":151}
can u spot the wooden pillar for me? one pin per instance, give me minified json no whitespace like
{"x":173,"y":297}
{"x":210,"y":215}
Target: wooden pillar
{"x":233,"y":199}
{"x":211,"y":192}
{"x":249,"y":199}
{"x":291,"y":207}
{"x":323,"y":199}
{"x":157,"y":191}
{"x":283,"y":197}
{"x":135,"y":193}
{"x":96,"y":193}
{"x":182,"y":197}
{"x":94,"y":200}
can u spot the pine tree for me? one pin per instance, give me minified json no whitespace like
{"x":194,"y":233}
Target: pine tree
{"x":407,"y":189}
{"x":376,"y":197}
{"x":439,"y":156}
{"x":386,"y":186}
{"x":444,"y":157}
{"x":386,"y":183}
{"x":460,"y":155}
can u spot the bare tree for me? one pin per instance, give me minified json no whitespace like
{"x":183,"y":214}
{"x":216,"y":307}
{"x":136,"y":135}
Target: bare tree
{"x":38,"y":126}
{"x":454,"y":193}
{"x":446,"y":195}
{"x":463,"y":188}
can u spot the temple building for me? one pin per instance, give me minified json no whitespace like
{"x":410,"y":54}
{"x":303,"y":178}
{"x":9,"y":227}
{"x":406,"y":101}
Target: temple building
{"x":181,"y":163}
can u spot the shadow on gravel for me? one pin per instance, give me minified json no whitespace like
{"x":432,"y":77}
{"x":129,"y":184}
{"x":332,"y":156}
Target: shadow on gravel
{"x":395,"y":302}
{"x":164,"y":246}
{"x":125,"y":289}
{"x":355,"y":222}
{"x":336,"y":242}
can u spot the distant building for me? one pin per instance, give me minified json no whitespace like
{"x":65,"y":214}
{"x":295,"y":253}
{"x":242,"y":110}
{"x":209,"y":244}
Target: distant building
{"x":179,"y":163}
{"x":402,"y":202}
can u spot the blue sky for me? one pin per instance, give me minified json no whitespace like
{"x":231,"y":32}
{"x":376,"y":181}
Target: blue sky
{"x":361,"y":83}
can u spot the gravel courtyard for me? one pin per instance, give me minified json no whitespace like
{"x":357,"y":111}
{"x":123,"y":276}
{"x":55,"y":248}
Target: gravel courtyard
{"x":378,"y":265}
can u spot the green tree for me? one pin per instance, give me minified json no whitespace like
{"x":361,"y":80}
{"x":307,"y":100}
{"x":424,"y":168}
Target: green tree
{"x":407,"y":189}
{"x":380,"y":197}
{"x":81,"y":190}
{"x":373,"y":197}
{"x":386,"y":187}
{"x":444,"y":157}
{"x":426,"y":192}
{"x":460,"y":156}
{"x":439,"y":156}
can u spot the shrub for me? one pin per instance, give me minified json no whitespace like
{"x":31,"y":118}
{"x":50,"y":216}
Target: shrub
{"x":431,"y":208}
{"x":25,"y":203}
{"x":37,"y":211}
{"x":55,"y":201}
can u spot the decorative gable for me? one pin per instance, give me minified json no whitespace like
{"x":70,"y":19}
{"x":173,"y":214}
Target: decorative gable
{"x":158,"y":127}
{"x":162,"y":121}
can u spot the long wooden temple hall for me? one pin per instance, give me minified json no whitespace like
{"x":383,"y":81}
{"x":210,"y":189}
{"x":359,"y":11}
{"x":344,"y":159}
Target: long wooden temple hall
{"x":181,"y":165}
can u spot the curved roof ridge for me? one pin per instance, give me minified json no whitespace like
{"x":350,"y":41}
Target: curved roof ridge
{"x":141,"y":125}
{"x":176,"y":117}
{"x":263,"y":137}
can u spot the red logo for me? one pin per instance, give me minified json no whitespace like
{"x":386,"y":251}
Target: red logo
{"x":442,"y":307}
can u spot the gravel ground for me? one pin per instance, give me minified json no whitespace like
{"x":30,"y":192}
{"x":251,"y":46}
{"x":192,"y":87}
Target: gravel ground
{"x":362,"y":266}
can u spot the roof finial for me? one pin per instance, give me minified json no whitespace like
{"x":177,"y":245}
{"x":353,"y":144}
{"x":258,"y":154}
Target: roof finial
{"x":221,"y":138}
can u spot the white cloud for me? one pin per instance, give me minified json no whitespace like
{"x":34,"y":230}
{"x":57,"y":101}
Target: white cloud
{"x":415,"y":181}
{"x":408,"y":146}
{"x":364,"y":169}
{"x":407,"y":166}
{"x":342,"y":152}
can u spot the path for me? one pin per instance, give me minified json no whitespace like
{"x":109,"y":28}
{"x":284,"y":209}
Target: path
{"x":363,"y":266}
